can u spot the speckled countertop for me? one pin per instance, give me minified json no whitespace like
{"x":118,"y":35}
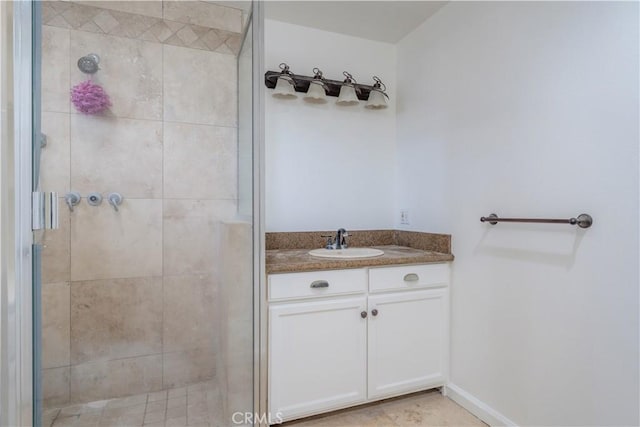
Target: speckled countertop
{"x":298,"y":260}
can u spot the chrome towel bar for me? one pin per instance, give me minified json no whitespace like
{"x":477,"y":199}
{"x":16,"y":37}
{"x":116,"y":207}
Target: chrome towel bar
{"x":583,"y":220}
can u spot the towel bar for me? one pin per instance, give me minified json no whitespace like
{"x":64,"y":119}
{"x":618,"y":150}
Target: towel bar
{"x":583,"y":220}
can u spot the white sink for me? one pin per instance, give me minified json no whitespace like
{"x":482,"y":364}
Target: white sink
{"x":346,"y":253}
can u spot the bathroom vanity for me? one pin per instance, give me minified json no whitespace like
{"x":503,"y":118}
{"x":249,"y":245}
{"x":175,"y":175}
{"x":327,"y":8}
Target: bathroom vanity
{"x":347,"y":332}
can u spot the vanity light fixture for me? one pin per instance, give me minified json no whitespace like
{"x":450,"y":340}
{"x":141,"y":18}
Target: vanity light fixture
{"x":377,"y":97}
{"x":285,"y":86}
{"x":348,"y":95}
{"x":317,"y":89}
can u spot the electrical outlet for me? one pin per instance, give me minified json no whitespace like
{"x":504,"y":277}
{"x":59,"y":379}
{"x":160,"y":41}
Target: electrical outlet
{"x":404,"y":216}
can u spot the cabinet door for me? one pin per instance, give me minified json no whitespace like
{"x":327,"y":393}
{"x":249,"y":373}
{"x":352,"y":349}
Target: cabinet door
{"x":407,"y":342}
{"x":317,"y":356}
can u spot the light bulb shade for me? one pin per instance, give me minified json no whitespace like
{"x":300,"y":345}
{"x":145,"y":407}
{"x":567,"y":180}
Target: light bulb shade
{"x":347,"y":96}
{"x":376,"y":100}
{"x":284,"y":88}
{"x":316,"y":93}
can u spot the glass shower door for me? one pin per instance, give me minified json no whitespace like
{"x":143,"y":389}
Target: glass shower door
{"x":147,"y":291}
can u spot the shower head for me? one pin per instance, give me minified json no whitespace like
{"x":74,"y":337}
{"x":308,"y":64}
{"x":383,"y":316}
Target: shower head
{"x":88,"y":64}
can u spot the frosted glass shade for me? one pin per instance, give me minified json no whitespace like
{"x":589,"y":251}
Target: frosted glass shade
{"x":347,"y":96}
{"x":284,"y":89}
{"x":316,"y":93}
{"x":376,"y":100}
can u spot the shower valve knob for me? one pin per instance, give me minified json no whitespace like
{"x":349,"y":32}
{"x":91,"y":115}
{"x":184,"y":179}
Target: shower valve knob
{"x":72,"y":199}
{"x":115,"y":200}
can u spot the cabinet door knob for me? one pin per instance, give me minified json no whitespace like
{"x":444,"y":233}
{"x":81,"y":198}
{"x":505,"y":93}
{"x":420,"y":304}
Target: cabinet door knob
{"x":411,"y":277}
{"x":374,"y":312}
{"x":320,"y":284}
{"x":363,"y":314}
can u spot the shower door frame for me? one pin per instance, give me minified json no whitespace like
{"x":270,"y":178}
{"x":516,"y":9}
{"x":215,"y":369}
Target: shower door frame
{"x":259,"y":251}
{"x":17,"y":327}
{"x":16,"y":359}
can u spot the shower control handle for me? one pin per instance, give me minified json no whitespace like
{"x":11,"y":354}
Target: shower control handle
{"x":72,"y":199}
{"x":115,"y":200}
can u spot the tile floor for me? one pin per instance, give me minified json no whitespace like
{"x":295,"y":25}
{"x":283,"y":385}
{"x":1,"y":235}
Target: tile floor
{"x":200,"y":405}
{"x":195,"y":405}
{"x":426,"y":409}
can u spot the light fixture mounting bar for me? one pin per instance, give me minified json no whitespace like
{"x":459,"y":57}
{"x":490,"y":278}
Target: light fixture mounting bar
{"x":302,"y":84}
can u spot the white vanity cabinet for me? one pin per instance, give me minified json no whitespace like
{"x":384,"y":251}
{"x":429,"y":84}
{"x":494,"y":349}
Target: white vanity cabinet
{"x":339,"y":338}
{"x":406,"y":342}
{"x":408,"y":328}
{"x":317,"y":341}
{"x":318,"y":355}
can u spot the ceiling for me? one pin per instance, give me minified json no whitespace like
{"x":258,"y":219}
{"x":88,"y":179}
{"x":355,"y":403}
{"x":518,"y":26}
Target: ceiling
{"x":385,"y":21}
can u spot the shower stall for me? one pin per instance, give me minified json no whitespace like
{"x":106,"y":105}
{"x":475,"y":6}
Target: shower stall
{"x":144,"y":169}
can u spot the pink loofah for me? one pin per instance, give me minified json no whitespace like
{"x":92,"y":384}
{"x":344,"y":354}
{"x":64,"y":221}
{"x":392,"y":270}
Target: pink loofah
{"x":89,"y":98}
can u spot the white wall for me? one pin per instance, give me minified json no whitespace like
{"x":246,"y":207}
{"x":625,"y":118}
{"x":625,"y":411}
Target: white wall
{"x":328,"y":166}
{"x":531,"y":109}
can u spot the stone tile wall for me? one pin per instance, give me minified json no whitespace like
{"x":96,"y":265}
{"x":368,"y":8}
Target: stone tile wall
{"x":129,"y":297}
{"x":193,"y":24}
{"x":235,"y":376}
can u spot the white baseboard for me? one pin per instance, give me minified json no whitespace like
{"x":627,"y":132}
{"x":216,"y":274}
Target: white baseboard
{"x":477,"y":407}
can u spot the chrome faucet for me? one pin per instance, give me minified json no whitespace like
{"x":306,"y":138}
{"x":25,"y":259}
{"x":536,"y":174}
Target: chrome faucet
{"x":339,"y":241}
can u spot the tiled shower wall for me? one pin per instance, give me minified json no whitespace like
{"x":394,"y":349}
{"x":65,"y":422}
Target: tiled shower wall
{"x":129,"y":297}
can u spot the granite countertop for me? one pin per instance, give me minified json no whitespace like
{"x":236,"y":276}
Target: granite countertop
{"x":298,"y":260}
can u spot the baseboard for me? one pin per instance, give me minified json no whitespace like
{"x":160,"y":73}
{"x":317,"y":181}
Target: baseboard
{"x":477,"y":407}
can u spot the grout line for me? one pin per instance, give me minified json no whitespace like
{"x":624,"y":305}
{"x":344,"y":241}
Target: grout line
{"x":166,"y":405}
{"x":116,"y":360}
{"x":186,"y":401}
{"x":69,"y":226}
{"x":160,"y":120}
{"x":169,"y":198}
{"x":162,"y":237}
{"x":146,"y":405}
{"x":115,"y":278}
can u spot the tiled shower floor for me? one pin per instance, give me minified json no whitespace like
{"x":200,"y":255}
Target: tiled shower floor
{"x":195,"y":405}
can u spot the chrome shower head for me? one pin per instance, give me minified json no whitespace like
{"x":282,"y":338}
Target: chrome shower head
{"x":88,"y":64}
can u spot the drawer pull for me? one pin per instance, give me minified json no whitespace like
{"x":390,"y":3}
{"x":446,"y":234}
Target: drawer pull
{"x":320,"y":284}
{"x":411,"y":277}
